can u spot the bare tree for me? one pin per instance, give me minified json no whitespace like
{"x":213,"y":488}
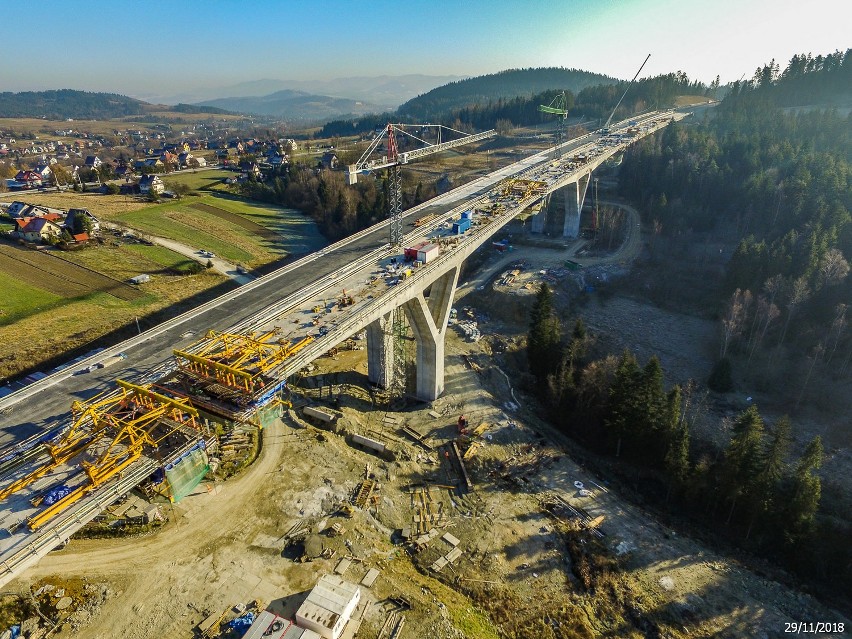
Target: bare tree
{"x":765,"y":314}
{"x":838,"y":327}
{"x":732,"y":323}
{"x":833,"y":268}
{"x":799,"y":292}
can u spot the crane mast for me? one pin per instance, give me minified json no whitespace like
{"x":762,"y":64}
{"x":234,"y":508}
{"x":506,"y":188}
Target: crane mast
{"x":394,"y":158}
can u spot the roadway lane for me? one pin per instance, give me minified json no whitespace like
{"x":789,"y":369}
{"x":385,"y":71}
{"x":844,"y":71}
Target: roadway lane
{"x":21,"y":418}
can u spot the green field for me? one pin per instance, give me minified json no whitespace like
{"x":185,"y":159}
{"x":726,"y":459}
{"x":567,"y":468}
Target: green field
{"x":184,"y":222}
{"x":198,"y":180}
{"x":20,"y":300}
{"x":166,"y":257}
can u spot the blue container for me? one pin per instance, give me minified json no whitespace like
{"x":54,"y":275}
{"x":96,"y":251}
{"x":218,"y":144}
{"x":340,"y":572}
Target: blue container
{"x":461,"y":226}
{"x":467,"y":215}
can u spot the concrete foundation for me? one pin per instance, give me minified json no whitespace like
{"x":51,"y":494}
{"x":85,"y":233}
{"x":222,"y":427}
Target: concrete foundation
{"x":574,"y":206}
{"x":380,"y":351}
{"x":428,"y":319}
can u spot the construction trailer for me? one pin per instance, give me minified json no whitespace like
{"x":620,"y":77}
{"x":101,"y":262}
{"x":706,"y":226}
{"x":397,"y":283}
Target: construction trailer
{"x":428,"y":252}
{"x":329,"y":606}
{"x":410,"y":252}
{"x":462,"y":226}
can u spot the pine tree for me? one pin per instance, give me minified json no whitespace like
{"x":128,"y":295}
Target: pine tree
{"x":771,"y":471}
{"x":743,"y":457}
{"x":624,"y":409}
{"x":806,"y":492}
{"x":676,"y":458}
{"x":543,"y":350}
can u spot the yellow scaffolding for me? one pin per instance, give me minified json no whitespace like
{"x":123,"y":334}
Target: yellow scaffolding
{"x":239,"y":361}
{"x":136,"y":417}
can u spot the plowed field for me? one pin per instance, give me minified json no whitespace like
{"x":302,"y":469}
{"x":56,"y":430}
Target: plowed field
{"x":61,"y":277}
{"x":235,"y":219}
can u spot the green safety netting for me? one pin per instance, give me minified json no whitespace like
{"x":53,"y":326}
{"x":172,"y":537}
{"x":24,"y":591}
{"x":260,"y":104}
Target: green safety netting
{"x":187,"y":472}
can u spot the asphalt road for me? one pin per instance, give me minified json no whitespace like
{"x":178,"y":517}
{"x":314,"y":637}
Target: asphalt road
{"x":21,"y":418}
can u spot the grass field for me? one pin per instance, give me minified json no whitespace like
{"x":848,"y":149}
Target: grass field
{"x":195,"y":222}
{"x":183,"y":224}
{"x":19,"y":300}
{"x":198,"y":180}
{"x":165,"y":257}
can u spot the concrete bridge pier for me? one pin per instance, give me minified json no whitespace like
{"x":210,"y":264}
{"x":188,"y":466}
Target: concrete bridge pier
{"x":574,"y":206}
{"x":539,"y":220}
{"x":380,"y":351}
{"x":428,"y":319}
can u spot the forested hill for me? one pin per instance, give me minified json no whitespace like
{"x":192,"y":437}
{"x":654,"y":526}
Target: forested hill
{"x":506,"y":84}
{"x":592,"y":103}
{"x":68,"y":103}
{"x":808,"y":80}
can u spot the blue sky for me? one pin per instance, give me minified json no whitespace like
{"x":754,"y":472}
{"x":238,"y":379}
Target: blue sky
{"x":167,"y":46}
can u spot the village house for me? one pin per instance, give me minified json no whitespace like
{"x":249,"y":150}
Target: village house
{"x":72,"y":224}
{"x":29,"y":179}
{"x":329,"y":160}
{"x":150,"y":183}
{"x":37,"y":229}
{"x":93,"y":161}
{"x":19,"y":209}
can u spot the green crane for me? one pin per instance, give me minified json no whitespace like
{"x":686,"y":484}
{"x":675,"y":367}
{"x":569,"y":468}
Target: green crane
{"x":558,"y":107}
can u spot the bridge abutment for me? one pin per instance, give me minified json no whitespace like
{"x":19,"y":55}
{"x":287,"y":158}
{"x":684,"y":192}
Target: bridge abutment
{"x":428,"y":318}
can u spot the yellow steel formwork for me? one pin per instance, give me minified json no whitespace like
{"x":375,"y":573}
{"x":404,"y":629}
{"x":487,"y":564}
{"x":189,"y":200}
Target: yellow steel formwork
{"x":135,"y":417}
{"x":239,"y":361}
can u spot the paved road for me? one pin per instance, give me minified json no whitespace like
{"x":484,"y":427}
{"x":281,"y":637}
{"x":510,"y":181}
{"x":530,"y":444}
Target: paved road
{"x":219,"y":265}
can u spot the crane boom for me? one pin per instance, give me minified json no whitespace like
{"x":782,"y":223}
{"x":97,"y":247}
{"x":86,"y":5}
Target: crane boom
{"x":609,"y":119}
{"x":365,"y":165}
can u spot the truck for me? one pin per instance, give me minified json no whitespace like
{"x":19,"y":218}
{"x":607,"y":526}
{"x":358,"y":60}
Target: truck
{"x":109,"y":361}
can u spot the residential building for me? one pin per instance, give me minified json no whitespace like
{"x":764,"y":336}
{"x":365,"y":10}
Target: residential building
{"x":73,"y":214}
{"x":150,"y":183}
{"x":93,"y":161}
{"x":329,"y":160}
{"x":36,"y":229}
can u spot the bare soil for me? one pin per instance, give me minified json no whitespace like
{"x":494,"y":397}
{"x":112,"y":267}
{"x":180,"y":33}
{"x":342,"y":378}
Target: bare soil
{"x":520,"y":565}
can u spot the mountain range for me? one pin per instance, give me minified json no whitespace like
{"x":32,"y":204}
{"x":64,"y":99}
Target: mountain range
{"x":386,"y":91}
{"x":295,"y":106}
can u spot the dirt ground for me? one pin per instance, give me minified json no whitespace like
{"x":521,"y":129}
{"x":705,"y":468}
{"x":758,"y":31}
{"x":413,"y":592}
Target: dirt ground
{"x":224,"y":544}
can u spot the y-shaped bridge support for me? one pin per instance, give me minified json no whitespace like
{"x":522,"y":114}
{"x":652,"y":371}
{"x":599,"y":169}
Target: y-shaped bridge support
{"x":380,"y":351}
{"x":574,"y":206}
{"x":428,"y":318}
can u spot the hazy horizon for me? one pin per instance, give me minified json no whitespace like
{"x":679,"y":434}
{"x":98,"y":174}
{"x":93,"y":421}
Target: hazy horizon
{"x":160,"y":49}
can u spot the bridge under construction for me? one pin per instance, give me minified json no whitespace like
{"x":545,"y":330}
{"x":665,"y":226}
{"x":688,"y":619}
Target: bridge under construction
{"x":158,"y":424}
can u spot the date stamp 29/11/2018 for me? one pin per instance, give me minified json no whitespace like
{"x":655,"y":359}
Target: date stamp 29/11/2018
{"x":813,"y":627}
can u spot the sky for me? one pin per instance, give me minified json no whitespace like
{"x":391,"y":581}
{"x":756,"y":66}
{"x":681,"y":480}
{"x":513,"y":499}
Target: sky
{"x":163,"y":47}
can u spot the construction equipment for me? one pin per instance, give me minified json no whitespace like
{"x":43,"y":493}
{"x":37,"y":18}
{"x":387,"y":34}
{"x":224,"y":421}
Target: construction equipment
{"x":629,"y":84}
{"x":559,"y":107}
{"x":241,"y":369}
{"x":136,"y":417}
{"x":395,"y":158}
{"x":471,"y":450}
